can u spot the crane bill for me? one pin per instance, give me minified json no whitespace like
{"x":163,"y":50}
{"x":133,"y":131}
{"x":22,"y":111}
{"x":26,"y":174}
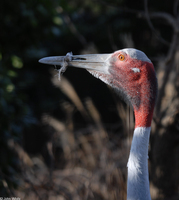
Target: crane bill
{"x":57,"y":60}
{"x":95,"y":62}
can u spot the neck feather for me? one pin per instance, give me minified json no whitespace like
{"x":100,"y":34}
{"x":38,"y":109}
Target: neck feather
{"x":143,"y":116}
{"x":138,"y":178}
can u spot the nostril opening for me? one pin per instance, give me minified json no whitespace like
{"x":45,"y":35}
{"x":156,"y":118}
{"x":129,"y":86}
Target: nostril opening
{"x":78,"y":58}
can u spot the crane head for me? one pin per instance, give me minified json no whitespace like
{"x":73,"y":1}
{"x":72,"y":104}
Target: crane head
{"x":129,"y":71}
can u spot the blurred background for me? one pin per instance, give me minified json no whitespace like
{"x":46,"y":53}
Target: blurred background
{"x":70,"y":139}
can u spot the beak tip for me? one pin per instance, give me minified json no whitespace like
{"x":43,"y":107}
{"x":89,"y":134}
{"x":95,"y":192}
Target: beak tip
{"x":40,"y":60}
{"x":52,"y":60}
{"x":43,"y":61}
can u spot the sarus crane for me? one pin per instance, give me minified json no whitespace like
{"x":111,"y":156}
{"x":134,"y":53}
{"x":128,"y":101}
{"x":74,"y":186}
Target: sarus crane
{"x":131,"y":73}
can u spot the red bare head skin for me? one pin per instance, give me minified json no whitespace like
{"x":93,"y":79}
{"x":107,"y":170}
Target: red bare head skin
{"x":137,"y":80}
{"x":133,"y":75}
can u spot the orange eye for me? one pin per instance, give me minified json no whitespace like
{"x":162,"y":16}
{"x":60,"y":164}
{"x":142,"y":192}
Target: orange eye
{"x":121,"y":57}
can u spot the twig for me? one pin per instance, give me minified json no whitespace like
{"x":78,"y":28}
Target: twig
{"x":122,"y":9}
{"x":145,"y":14}
{"x":175,"y":7}
{"x":151,"y":25}
{"x":74,"y":30}
{"x":111,"y":40}
{"x":171,"y":20}
{"x":168,"y":69}
{"x":172,"y":48}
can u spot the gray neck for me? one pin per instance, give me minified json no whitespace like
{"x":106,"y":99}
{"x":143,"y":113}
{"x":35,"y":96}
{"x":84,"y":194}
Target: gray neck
{"x":138,"y":178}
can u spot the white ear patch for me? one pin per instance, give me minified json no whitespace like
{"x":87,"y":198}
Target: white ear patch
{"x":135,"y":70}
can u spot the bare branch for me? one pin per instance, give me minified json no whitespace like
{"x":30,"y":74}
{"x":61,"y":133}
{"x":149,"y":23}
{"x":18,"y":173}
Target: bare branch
{"x":151,"y":25}
{"x":145,"y":14}
{"x":74,"y":30}
{"x":175,"y":7}
{"x":168,"y":69}
{"x":120,"y":8}
{"x":171,"y":20}
{"x":172,"y":48}
{"x":111,"y":40}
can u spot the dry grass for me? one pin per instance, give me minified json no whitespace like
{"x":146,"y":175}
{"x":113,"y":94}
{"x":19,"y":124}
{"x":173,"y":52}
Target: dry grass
{"x":93,"y":164}
{"x":88,"y":161}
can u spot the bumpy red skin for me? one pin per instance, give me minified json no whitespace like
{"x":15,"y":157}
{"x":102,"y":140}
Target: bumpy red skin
{"x":140,"y":88}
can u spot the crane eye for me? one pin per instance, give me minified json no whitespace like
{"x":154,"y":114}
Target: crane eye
{"x":121,"y":57}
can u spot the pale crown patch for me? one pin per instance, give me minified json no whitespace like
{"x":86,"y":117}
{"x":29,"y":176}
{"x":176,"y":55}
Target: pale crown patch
{"x":136,"y":54}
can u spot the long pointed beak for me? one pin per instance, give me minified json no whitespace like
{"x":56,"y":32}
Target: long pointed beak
{"x":97,"y":62}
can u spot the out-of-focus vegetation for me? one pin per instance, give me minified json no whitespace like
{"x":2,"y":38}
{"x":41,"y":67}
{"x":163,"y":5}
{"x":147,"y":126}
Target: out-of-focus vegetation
{"x":59,"y":141}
